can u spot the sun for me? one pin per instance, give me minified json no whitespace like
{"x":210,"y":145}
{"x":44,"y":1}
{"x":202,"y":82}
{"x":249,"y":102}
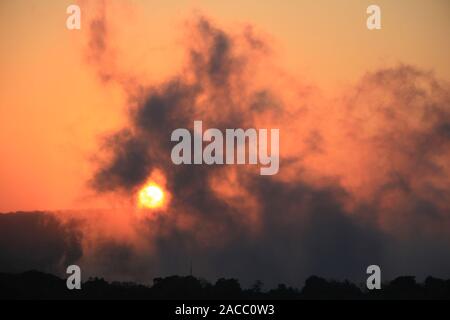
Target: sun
{"x":151,"y":196}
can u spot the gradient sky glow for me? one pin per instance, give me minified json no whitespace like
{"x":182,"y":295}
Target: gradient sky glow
{"x":364,"y":119}
{"x":53,"y":109}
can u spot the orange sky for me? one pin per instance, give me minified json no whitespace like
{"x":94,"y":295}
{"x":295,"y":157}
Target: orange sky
{"x":53,"y":108}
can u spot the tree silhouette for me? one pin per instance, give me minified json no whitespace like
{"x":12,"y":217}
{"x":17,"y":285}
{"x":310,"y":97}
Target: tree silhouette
{"x":38,"y":285}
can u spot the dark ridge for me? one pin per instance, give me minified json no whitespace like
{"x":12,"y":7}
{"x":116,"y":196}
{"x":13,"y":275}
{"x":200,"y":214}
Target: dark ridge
{"x":39,"y":285}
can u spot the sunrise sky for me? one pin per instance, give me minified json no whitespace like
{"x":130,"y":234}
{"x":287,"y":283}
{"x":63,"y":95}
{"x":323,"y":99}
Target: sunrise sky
{"x":364,"y":119}
{"x":53,"y":108}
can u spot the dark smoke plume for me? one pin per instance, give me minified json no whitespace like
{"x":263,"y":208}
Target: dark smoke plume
{"x":364,"y":179}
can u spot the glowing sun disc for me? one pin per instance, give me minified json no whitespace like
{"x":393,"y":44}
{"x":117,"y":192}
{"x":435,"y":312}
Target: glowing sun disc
{"x":151,"y":196}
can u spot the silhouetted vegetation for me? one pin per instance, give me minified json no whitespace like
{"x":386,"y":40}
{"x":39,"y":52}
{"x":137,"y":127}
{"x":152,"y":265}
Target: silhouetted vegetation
{"x":38,"y":285}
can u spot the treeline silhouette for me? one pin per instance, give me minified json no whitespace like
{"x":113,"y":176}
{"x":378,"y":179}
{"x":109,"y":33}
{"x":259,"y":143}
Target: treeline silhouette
{"x":38,"y":285}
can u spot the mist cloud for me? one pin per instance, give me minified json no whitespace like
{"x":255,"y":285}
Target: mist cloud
{"x":38,"y":241}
